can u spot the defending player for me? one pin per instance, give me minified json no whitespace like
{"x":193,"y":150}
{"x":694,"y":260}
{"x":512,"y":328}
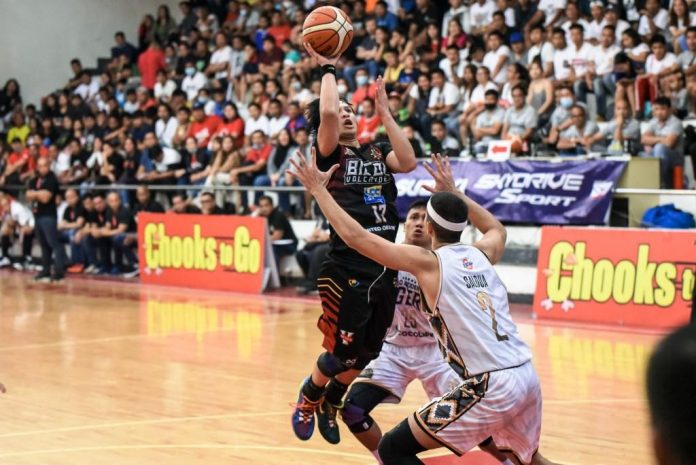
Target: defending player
{"x":499,"y":393}
{"x":357,"y":293}
{"x":410,"y":352}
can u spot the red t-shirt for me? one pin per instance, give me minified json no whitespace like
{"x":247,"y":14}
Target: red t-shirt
{"x":234,"y":128}
{"x":364,"y":92}
{"x":280,"y":33}
{"x":204,"y":130}
{"x":149,"y":62}
{"x":254,"y":155}
{"x":367,"y":128}
{"x":15,"y":158}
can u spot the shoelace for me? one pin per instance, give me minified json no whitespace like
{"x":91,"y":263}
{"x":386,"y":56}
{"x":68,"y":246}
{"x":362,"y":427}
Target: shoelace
{"x":331,"y":410}
{"x":306,"y":410}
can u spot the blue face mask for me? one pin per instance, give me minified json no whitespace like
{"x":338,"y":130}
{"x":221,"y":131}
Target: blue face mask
{"x":566,"y":102}
{"x":190,"y":71}
{"x":361,"y":80}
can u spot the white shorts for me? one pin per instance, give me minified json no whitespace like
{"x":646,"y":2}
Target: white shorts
{"x":504,"y":404}
{"x":397,"y":366}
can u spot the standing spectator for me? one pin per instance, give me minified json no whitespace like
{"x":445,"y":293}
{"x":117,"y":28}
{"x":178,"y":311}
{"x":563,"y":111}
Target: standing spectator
{"x":368,"y":122}
{"x":146,"y":33}
{"x":203,"y":126}
{"x":16,"y":220}
{"x":10,"y":98}
{"x":149,"y":62}
{"x":283,"y":237}
{"x":664,"y":139}
{"x":42,"y":192}
{"x":69,"y":226}
{"x":520,"y":120}
{"x":120,"y":233}
{"x":488,"y":123}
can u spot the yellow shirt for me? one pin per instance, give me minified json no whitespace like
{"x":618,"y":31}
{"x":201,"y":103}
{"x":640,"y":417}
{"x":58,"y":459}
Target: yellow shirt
{"x":21,"y":132}
{"x":392,"y":74}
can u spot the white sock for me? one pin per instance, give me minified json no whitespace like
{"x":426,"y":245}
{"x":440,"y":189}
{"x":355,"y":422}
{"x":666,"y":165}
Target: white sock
{"x":508,"y":462}
{"x":376,"y":454}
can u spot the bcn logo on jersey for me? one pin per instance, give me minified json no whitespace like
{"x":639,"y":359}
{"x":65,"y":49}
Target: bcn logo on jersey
{"x":359,"y":171}
{"x":512,"y":187}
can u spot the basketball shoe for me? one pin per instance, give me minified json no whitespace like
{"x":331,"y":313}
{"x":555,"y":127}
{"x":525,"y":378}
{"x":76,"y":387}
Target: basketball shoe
{"x":303,"y":417}
{"x":328,"y":427}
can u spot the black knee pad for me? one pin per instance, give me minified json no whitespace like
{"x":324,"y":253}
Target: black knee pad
{"x":399,"y":446}
{"x":356,"y":418}
{"x":330,"y":365}
{"x":360,"y":401}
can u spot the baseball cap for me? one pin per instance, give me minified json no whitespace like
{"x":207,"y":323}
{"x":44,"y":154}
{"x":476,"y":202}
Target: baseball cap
{"x":198,"y":105}
{"x":516,"y":37}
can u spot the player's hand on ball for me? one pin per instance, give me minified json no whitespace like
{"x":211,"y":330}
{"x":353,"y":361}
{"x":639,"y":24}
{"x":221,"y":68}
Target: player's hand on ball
{"x":321,"y":59}
{"x":308,"y":173}
{"x":441,"y":171}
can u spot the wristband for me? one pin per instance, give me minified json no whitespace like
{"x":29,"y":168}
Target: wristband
{"x":328,"y":69}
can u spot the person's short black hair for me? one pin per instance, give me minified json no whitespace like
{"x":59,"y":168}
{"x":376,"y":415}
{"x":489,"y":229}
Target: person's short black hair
{"x":266,"y":197}
{"x":492,"y":92}
{"x":663,"y":102}
{"x":269,"y":38}
{"x":120,"y":34}
{"x":16,"y":140}
{"x":499,"y":13}
{"x":497,"y":34}
{"x":519,"y":87}
{"x":75,"y":61}
{"x":611,"y":27}
{"x":558,"y":30}
{"x":313,"y":116}
{"x":207,"y":194}
{"x":275,"y":101}
{"x":537,"y":26}
{"x":417,"y":204}
{"x":452,"y":208}
{"x":658,"y":39}
{"x":439,"y":122}
{"x":154,"y":152}
{"x":671,"y":377}
{"x":691,"y":29}
{"x":577,"y":26}
{"x":437,"y":71}
{"x":453,"y":47}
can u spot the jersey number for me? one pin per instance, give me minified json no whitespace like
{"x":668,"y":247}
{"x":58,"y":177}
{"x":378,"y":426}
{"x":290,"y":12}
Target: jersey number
{"x":380,"y":211}
{"x":486,"y":303}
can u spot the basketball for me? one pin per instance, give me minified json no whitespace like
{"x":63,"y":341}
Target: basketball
{"x":328,"y":30}
{"x":516,"y":146}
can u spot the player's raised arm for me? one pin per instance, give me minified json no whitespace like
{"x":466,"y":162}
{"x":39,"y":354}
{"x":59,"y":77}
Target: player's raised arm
{"x":494,"y":234}
{"x":402,"y":158}
{"x":329,"y":127}
{"x":409,"y":258}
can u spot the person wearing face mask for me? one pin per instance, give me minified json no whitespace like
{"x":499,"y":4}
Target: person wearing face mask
{"x":343,"y":90}
{"x":560,"y":118}
{"x":489,"y":122}
{"x":193,"y":81}
{"x":363,"y":88}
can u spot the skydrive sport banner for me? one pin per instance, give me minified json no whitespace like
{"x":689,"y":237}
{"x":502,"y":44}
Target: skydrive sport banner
{"x":526,"y":191}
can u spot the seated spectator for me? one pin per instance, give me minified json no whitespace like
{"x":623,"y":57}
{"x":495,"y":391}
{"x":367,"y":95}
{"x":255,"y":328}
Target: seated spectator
{"x":541,"y":50}
{"x":123,"y":48}
{"x":476,"y":102}
{"x":232,"y":125}
{"x":71,"y":164}
{"x":444,"y":98}
{"x":253,"y":166}
{"x":282,"y":237}
{"x":384,"y":17}
{"x":164,"y":87}
{"x":278,"y":162}
{"x":193,"y":81}
{"x":296,"y":119}
{"x":158,"y":165}
{"x":277,"y":121}
{"x":208,"y":205}
{"x":145,"y":202}
{"x":540,"y":93}
{"x":96,"y":220}
{"x":119,"y":233}
{"x":418,"y":101}
{"x":518,"y":50}
{"x":622,"y":133}
{"x":19,"y":129}
{"x":183,"y":119}
{"x":149,"y":62}
{"x":203,"y":126}
{"x":687,"y":58}
{"x":441,"y":142}
{"x":659,"y":64}
{"x":664,"y":139}
{"x":256,"y":121}
{"x":182,"y":205}
{"x":368,"y":53}
{"x":561,"y":65}
{"x":676,"y":90}
{"x":195,"y":162}
{"x":517,"y":75}
{"x":219,"y":65}
{"x":16,"y":222}
{"x":497,"y":58}
{"x":69,"y":226}
{"x":270,"y":58}
{"x":20,"y":165}
{"x":489,"y":123}
{"x":577,"y":139}
{"x":304,"y":147}
{"x":224,"y":161}
{"x":653,"y":19}
{"x":520,"y":121}
{"x":364,"y":89}
{"x":561,"y":118}
{"x":368,"y":122}
{"x":165,"y":126}
{"x":414,"y":139}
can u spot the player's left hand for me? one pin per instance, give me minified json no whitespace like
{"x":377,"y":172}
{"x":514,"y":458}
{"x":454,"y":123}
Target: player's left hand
{"x":441,"y":171}
{"x":381,"y":100}
{"x":308,"y":173}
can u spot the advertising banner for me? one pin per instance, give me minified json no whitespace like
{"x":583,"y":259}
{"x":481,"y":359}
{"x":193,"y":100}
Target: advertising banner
{"x":526,"y":191}
{"x":201,"y":251}
{"x":631,"y":277}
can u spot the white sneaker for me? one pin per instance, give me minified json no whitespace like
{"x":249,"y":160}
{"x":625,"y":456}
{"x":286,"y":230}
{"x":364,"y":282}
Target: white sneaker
{"x":19,"y":266}
{"x":91,"y":269}
{"x":4,"y":261}
{"x":132,"y":274}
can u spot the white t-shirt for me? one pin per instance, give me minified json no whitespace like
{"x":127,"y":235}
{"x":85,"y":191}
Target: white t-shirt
{"x":449,"y":95}
{"x":481,"y":15}
{"x":640,"y":48}
{"x":192,"y":84}
{"x":604,"y":59}
{"x":165,"y":131}
{"x":275,"y":124}
{"x":490,"y":60}
{"x":165,"y":90}
{"x":593,"y":30}
{"x":62,"y":162}
{"x":579,"y":58}
{"x":478,"y":95}
{"x":561,"y":67}
{"x":545,"y":50}
{"x":20,"y":214}
{"x":169,"y":157}
{"x":550,"y":7}
{"x":96,"y":159}
{"x":566,"y":27}
{"x":223,"y":55}
{"x":251,"y":125}
{"x":620,"y":26}
{"x":446,"y":67}
{"x":655,"y":66}
{"x":660,"y":20}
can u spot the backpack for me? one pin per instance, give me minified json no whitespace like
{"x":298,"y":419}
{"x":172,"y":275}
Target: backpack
{"x":668,"y":217}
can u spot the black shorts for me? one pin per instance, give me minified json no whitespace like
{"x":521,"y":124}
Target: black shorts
{"x":358,"y":302}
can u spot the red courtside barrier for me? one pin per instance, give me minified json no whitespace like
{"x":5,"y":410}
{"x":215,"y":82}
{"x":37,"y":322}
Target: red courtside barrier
{"x":632,"y":277}
{"x":200,"y":251}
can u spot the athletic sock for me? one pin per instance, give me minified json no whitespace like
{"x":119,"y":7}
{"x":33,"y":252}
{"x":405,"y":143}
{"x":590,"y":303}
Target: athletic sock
{"x":508,"y":462}
{"x":27,"y":242}
{"x":5,"y":244}
{"x":379,"y":460}
{"x":335,"y":392}
{"x":311,"y":391}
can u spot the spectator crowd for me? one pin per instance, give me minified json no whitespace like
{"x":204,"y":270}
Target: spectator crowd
{"x":217,"y":97}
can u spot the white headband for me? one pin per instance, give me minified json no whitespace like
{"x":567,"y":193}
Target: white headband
{"x":440,"y":221}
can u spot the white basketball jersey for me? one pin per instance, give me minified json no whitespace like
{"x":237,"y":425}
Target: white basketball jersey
{"x":471,"y":318}
{"x":410,"y":327}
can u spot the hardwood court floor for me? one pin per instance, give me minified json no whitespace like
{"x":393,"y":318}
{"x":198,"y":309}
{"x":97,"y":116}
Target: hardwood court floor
{"x":105,"y":373}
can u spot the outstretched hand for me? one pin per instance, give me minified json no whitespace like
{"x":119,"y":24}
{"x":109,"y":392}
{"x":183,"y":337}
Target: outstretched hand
{"x":309,"y":174}
{"x":381,"y":102}
{"x":320,"y":59}
{"x":441,"y":173}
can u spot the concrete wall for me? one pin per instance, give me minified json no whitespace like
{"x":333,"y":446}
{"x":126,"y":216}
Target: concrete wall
{"x":38,"y":38}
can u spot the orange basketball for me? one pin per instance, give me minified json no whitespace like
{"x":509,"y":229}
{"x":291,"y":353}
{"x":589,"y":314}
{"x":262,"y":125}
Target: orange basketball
{"x":328,"y":30}
{"x":516,"y":146}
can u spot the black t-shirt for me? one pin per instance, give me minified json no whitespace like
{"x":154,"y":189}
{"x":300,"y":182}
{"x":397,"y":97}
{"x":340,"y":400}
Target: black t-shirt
{"x":116,"y":160}
{"x":151,"y":207}
{"x":48,"y":183}
{"x":71,"y":214}
{"x":364,"y":187}
{"x":122,"y":216}
{"x":278,"y":221}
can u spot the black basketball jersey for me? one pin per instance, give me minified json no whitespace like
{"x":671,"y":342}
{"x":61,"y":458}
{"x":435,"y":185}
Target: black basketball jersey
{"x":364,"y":187}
